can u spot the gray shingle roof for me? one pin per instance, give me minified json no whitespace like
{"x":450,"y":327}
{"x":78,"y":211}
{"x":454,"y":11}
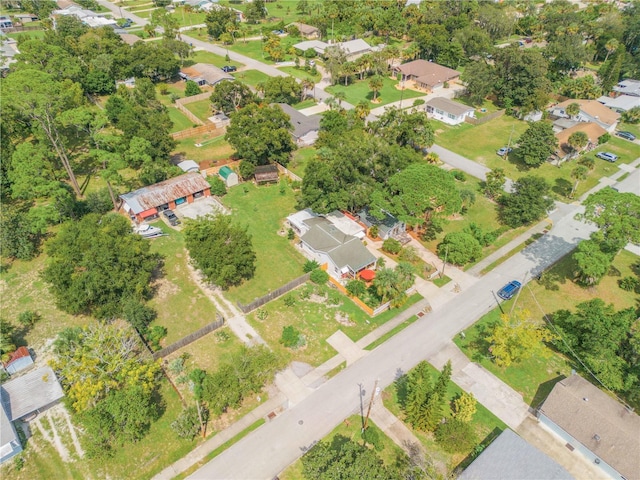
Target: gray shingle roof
{"x":509,"y":457}
{"x":449,"y":106}
{"x":30,"y":392}
{"x":301,"y":123}
{"x":597,"y":421}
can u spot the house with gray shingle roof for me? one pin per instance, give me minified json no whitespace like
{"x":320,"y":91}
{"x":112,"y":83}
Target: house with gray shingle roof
{"x":305,"y":128}
{"x":448,"y":111}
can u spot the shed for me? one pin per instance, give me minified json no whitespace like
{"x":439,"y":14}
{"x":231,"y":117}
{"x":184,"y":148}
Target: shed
{"x":266,"y":174}
{"x":307,"y":31}
{"x":35,"y":391}
{"x":189,"y":166}
{"x":229,"y":176}
{"x":19,"y":360}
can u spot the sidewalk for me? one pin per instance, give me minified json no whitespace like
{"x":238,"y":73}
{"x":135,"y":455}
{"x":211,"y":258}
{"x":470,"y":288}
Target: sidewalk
{"x":612,"y":179}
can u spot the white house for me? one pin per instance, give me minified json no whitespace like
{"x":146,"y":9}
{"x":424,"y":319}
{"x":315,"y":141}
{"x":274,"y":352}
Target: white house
{"x":448,"y":111}
{"x":590,"y":111}
{"x":628,"y":87}
{"x":621,"y":103}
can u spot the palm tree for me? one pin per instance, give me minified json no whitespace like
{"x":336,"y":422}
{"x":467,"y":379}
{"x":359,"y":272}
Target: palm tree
{"x":376,"y":84}
{"x":579,"y":173}
{"x":611,"y":46}
{"x":411,"y":52}
{"x":385,"y":284}
{"x":340,"y":96}
{"x":578,"y":140}
{"x":362,"y":110}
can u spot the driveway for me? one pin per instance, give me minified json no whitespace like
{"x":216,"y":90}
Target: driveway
{"x":201,"y":207}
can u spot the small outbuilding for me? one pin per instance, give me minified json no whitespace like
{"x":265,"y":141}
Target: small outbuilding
{"x":266,"y":174}
{"x":229,"y":177}
{"x":18,"y":361}
{"x":307,"y":31}
{"x":189,"y":166}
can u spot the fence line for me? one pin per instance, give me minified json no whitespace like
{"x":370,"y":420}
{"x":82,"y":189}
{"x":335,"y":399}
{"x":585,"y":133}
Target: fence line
{"x":367,"y":309}
{"x":192,"y":337}
{"x":194,"y":132}
{"x":258,"y":302}
{"x":288,"y":173}
{"x":193,"y":98}
{"x":485,"y":119}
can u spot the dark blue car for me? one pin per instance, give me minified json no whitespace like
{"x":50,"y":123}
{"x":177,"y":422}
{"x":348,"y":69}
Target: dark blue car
{"x":509,"y":290}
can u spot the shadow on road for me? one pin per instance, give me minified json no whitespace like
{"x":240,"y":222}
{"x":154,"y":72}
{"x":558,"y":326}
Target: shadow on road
{"x":547,"y":251}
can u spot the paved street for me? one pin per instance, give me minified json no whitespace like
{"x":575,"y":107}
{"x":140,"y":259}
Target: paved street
{"x":280,"y":442}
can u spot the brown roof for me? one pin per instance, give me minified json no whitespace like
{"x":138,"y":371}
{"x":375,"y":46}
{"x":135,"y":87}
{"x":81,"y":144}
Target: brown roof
{"x":595,"y":109}
{"x":129,"y":38}
{"x":597,"y":421}
{"x":449,"y":106}
{"x":153,"y":196}
{"x":266,"y":173}
{"x":593,"y":131}
{"x":428,"y":73}
{"x":306,"y":29}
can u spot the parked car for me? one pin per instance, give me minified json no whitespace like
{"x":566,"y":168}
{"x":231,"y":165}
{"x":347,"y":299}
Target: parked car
{"x":127,"y":23}
{"x":171,"y":217}
{"x":504,"y":150}
{"x":608,"y":156}
{"x":626,"y":135}
{"x":509,"y":290}
{"x":229,"y":68}
{"x":278,"y":32}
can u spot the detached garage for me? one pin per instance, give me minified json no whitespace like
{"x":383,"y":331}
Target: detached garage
{"x":146,"y":202}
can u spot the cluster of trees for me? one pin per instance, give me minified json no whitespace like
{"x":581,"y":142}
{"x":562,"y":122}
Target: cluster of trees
{"x":221,"y":250}
{"x":111,"y":388}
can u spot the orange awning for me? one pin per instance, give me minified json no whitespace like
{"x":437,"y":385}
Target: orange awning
{"x":148,"y":213}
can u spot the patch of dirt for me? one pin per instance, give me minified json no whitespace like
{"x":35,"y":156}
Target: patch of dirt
{"x":318,"y":298}
{"x":343,"y":319}
{"x":164,"y":288}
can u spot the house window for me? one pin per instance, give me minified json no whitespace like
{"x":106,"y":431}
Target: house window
{"x":451,"y":116}
{"x":439,"y":112}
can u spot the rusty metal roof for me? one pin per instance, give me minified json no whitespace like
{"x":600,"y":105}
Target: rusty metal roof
{"x":153,"y":196}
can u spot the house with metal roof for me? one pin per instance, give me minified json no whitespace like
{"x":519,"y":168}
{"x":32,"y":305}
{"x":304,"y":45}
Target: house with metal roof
{"x":18,"y":361}
{"x":307,"y":31}
{"x":146,"y":202}
{"x":345,"y":255}
{"x":33,"y":392}
{"x":266,"y":174}
{"x":448,"y":111}
{"x":345,"y":223}
{"x":229,"y":177}
{"x":628,"y":87}
{"x":189,"y":166}
{"x":621,"y":103}
{"x":510,"y":457}
{"x":305,"y":128}
{"x":10,"y":445}
{"x":388,"y":225}
{"x":594,"y":424}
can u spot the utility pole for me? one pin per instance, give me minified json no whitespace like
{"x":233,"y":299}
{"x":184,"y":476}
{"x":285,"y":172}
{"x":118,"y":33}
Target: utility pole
{"x":373,"y":394}
{"x":518,"y":294}
{"x":509,"y":144}
{"x":203,"y":426}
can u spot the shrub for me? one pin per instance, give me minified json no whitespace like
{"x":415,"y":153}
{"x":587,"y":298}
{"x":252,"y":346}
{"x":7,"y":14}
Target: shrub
{"x":604,"y":138}
{"x":310,"y":53}
{"x":356,"y":288}
{"x":305,"y":292}
{"x":155,"y":336}
{"x":223,"y":336}
{"x":18,"y":463}
{"x":218,"y":187}
{"x":459,"y":248}
{"x":291,"y":234}
{"x":629,"y":284}
{"x":291,"y":338}
{"x":176,"y":366}
{"x":392,"y":246}
{"x":163,"y":88}
{"x":459,"y":175}
{"x":456,"y":436}
{"x":262,"y":314}
{"x":310,"y":265}
{"x":187,"y":425}
{"x":373,"y":231}
{"x":418,"y":101}
{"x":409,"y":254}
{"x":191,"y":89}
{"x":28,"y":318}
{"x":319,"y":276}
{"x":289,"y":300}
{"x":371,"y":435}
{"x":173,"y":97}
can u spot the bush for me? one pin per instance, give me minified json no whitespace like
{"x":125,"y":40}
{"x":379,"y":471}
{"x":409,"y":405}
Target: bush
{"x":629,"y":284}
{"x":187,"y":425}
{"x":173,"y":97}
{"x":604,"y":139}
{"x":291,"y":234}
{"x":371,"y":436}
{"x":163,"y":88}
{"x":28,"y":318}
{"x":289,"y":300}
{"x":191,"y":89}
{"x":155,"y":336}
{"x":310,"y":53}
{"x":291,"y":338}
{"x":456,"y":436}
{"x":459,"y":175}
{"x":356,"y":288}
{"x":218,"y":187}
{"x":310,"y":266}
{"x":373,"y":231}
{"x":418,"y":101}
{"x":392,"y":246}
{"x":459,"y":248}
{"x":319,"y":276}
{"x":262,"y":314}
{"x":409,"y":254}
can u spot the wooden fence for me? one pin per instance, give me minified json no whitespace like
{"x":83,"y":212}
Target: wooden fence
{"x":181,"y":102}
{"x":288,"y":173}
{"x":194,"y":132}
{"x":258,"y":302}
{"x":192,"y":337}
{"x":485,"y":119}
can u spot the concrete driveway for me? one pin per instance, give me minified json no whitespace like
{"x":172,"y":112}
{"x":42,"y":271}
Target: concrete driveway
{"x":200,"y":208}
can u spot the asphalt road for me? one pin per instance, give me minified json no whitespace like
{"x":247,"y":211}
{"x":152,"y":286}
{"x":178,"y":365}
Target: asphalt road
{"x":274,"y":446}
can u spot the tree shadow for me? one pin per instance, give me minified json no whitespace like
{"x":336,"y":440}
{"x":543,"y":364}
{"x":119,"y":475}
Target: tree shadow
{"x":480,"y":345}
{"x":402,"y":390}
{"x":543,"y":391}
{"x":562,"y":187}
{"x":614,"y":272}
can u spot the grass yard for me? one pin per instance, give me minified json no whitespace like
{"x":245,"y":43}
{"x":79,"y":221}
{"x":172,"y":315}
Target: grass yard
{"x":202,"y":56}
{"x":310,"y":102}
{"x":28,"y":35}
{"x":182,"y":307}
{"x":535,"y":377}
{"x":251,"y":77}
{"x":180,"y":121}
{"x":254,"y":49}
{"x":263,"y":210}
{"x":316,"y":317}
{"x":301,"y":74}
{"x":359,"y":91}
{"x":213,"y":149}
{"x":300,"y":159}
{"x":351,"y":428}
{"x":629,"y":127}
{"x":486,"y":425}
{"x":201,"y":109}
{"x":186,"y":18}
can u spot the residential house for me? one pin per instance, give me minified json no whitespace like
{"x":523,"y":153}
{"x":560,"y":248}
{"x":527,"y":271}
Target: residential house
{"x":316,"y":45}
{"x":427,"y":75}
{"x":448,"y":111}
{"x":147,"y":202}
{"x":18,"y":361}
{"x":214,"y":6}
{"x":204,"y":74}
{"x":10,"y":445}
{"x":305,"y":128}
{"x":343,"y":222}
{"x":189,"y":166}
{"x":308,"y":32}
{"x":8,"y":51}
{"x":197,"y":4}
{"x":590,"y":111}
{"x":344,"y":255}
{"x":621,"y":103}
{"x":628,"y":87}
{"x":229,"y":177}
{"x":388,"y":226}
{"x":595,"y":425}
{"x":26,"y":18}
{"x":88,"y":17}
{"x":565,"y":151}
{"x":266,"y":174}
{"x":509,"y":457}
{"x":353,"y":48}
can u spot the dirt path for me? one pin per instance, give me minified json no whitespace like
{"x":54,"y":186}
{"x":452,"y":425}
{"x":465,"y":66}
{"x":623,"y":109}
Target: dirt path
{"x":52,"y":437}
{"x":72,"y":431}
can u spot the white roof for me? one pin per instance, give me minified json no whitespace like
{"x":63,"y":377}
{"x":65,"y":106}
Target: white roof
{"x":189,"y":166}
{"x":297,"y":219}
{"x":629,"y":86}
{"x":354,"y":46}
{"x":30,"y":392}
{"x":623,"y":102}
{"x":345,"y":224}
{"x":318,"y":45}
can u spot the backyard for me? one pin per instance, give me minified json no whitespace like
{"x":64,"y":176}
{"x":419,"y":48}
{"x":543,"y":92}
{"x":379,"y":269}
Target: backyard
{"x":202,"y":56}
{"x":534,"y":378}
{"x":251,"y":77}
{"x":300,"y":159}
{"x":255,"y":49}
{"x":359,"y":91}
{"x":214,"y":147}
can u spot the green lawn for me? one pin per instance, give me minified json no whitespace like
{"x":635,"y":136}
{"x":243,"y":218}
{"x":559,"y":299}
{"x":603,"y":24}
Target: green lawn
{"x":535,"y":377}
{"x":359,"y":91}
{"x":351,"y":428}
{"x":486,"y":425}
{"x":202,"y":56}
{"x":30,"y":35}
{"x":201,"y":109}
{"x":304,"y":104}
{"x":317,"y":320}
{"x":300,"y":159}
{"x":628,"y":127}
{"x":180,"y":121}
{"x":263,"y":210}
{"x":213,"y":149}
{"x":251,"y":77}
{"x":301,"y":74}
{"x":254,"y":49}
{"x":187,"y":19}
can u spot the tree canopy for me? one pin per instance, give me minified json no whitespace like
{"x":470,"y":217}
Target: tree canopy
{"x":228,"y":97}
{"x":537,"y":143}
{"x":528,"y":203}
{"x":616,"y":214}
